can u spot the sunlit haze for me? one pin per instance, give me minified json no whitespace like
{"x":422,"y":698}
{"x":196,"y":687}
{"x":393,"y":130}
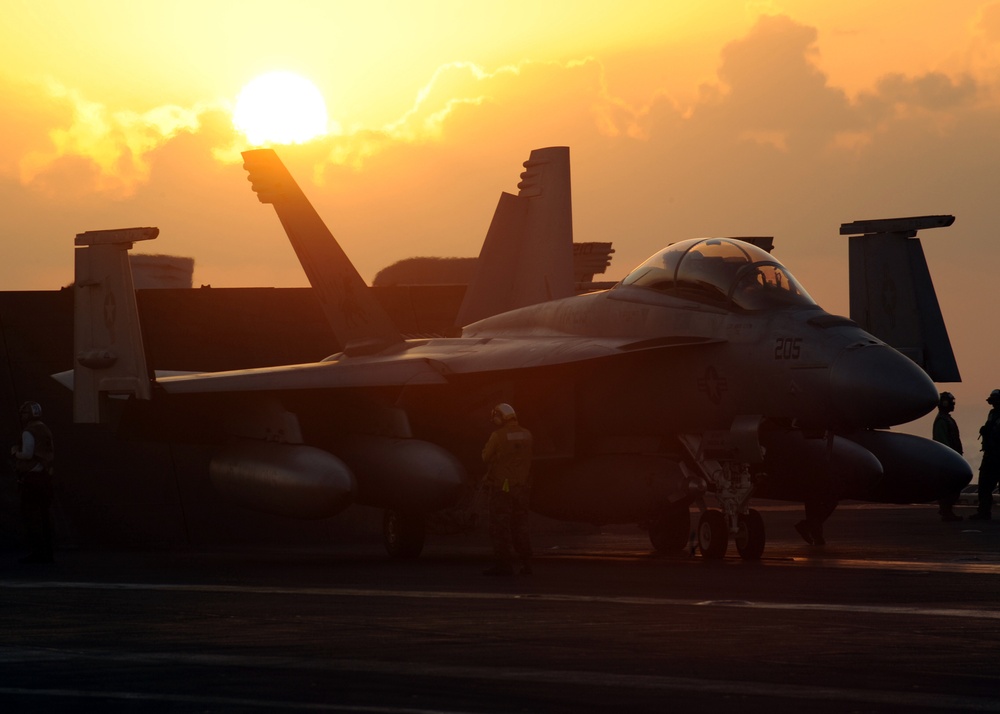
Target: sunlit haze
{"x":766,"y":117}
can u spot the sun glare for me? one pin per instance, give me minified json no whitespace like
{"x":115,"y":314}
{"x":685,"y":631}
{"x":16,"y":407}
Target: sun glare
{"x":280,"y":108}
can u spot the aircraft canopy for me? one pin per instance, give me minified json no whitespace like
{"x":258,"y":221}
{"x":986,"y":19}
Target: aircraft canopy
{"x":721,"y":271}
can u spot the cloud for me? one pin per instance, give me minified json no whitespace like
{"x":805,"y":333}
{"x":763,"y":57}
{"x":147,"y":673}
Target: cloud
{"x":933,"y":91}
{"x":772,"y":90}
{"x":28,"y":115}
{"x":451,"y":87}
{"x":771,"y":110}
{"x":463,"y":101}
{"x":770,"y":93}
{"x":770,"y":144}
{"x":90,"y":149}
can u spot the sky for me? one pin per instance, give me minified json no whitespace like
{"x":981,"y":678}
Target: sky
{"x":722,"y":117}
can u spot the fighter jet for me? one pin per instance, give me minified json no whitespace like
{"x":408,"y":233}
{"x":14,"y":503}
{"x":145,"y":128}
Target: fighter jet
{"x":708,"y":375}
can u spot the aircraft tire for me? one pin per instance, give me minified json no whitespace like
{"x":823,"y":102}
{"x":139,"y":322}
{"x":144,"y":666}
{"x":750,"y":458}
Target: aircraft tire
{"x":403,"y":534}
{"x":713,"y":535}
{"x":750,"y":537}
{"x":670,"y":532}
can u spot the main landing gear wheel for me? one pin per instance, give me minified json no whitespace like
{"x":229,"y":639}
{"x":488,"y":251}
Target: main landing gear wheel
{"x":713,"y":535}
{"x":403,"y":534}
{"x":669,"y":533}
{"x":750,"y":536}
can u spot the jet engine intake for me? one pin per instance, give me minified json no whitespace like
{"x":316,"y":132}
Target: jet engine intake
{"x":294,"y":481}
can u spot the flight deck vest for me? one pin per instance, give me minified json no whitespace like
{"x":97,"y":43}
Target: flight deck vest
{"x":508,"y":453}
{"x":44,"y":448}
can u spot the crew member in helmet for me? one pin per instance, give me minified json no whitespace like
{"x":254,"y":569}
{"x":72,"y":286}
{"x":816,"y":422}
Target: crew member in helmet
{"x":508,"y":458}
{"x":33,"y":465}
{"x":946,"y":432}
{"x":989,"y":469}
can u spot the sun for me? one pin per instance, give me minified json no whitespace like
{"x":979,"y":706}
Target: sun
{"x":280,"y":108}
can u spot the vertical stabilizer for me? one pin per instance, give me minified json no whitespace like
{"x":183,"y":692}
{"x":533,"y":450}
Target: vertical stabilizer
{"x":107,"y":340}
{"x":527,"y":256}
{"x":892,"y":295}
{"x":358,"y":321}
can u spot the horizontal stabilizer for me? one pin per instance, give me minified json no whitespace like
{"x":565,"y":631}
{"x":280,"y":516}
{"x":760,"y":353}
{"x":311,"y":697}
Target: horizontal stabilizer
{"x":527,"y":257}
{"x":358,"y":321}
{"x":891,"y":292}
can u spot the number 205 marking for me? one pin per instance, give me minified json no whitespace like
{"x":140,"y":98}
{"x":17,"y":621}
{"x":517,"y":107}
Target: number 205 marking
{"x":787,"y":347}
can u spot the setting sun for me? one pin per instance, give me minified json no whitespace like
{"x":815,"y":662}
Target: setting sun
{"x":280,"y":108}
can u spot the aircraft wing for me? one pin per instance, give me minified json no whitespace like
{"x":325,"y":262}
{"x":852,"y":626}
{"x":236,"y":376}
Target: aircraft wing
{"x":430,"y":363}
{"x":314,"y":375}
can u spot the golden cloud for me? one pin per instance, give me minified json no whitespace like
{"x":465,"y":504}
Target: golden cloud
{"x":770,"y":93}
{"x":113,"y":145}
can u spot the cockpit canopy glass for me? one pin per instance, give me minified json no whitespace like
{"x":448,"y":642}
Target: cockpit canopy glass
{"x":721,"y":271}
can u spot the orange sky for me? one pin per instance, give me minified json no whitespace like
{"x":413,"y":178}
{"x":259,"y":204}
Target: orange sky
{"x":784,"y":118}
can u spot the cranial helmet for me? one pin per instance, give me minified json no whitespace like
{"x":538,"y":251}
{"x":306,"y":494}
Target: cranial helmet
{"x":994,"y":397}
{"x":31,"y":410}
{"x":503,"y":413}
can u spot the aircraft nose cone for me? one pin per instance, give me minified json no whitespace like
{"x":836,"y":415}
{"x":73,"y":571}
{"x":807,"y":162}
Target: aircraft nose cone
{"x":876,"y":386}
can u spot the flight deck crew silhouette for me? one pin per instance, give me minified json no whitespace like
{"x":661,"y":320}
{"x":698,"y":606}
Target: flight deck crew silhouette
{"x":946,"y":432}
{"x":508,"y":456}
{"x":818,"y":507}
{"x":33,"y":466}
{"x":989,"y":470}
{"x":819,"y":503}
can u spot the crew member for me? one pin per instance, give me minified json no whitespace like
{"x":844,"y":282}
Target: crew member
{"x":946,"y":432}
{"x":819,"y":507}
{"x":820,"y":503}
{"x":508,"y":458}
{"x":989,"y":470}
{"x":33,"y":465}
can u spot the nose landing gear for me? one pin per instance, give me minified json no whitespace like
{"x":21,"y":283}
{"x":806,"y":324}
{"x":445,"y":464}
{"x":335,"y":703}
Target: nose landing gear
{"x":733,"y":485}
{"x":724,"y":458}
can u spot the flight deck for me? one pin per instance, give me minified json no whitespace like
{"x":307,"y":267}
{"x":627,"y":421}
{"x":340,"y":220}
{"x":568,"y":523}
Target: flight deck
{"x":896,"y":613}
